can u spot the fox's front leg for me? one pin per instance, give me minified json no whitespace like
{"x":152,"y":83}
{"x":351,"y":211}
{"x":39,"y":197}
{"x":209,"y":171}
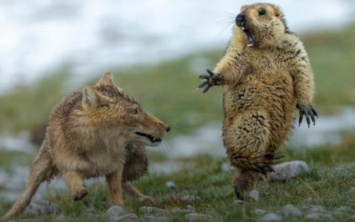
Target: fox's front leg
{"x":75,"y":181}
{"x":114,"y":182}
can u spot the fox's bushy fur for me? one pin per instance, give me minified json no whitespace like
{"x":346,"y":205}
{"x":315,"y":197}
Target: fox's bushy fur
{"x":99,"y":131}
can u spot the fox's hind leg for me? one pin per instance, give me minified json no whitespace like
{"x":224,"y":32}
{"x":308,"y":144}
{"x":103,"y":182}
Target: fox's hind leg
{"x":135,"y":167}
{"x":76,"y":184}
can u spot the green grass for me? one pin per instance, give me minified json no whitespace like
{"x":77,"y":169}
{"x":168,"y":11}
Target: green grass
{"x":327,"y":184}
{"x":168,"y":89}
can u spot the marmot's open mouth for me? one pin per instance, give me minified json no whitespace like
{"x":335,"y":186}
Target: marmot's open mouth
{"x":250,"y":38}
{"x":150,"y":137}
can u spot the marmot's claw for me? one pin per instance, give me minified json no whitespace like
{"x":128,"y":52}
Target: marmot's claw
{"x":212,"y":79}
{"x":309,"y":112}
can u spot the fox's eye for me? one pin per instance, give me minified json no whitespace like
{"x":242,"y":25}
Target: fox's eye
{"x":134,"y":111}
{"x":262,"y":11}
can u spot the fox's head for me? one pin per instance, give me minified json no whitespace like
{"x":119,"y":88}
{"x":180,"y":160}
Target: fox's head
{"x":113,"y":113}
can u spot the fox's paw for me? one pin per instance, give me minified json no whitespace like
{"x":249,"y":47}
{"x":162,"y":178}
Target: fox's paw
{"x":80,"y":194}
{"x":307,"y":111}
{"x":147,"y":200}
{"x":211,"y":79}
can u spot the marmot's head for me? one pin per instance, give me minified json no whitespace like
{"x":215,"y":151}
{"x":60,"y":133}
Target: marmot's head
{"x":260,"y":24}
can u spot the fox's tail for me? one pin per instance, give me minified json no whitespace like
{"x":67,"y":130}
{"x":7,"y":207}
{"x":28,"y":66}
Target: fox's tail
{"x":41,"y":170}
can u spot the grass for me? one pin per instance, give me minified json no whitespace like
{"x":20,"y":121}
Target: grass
{"x":327,"y":184}
{"x":168,"y":89}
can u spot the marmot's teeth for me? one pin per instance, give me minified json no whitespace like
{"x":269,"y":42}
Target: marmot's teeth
{"x":243,"y":28}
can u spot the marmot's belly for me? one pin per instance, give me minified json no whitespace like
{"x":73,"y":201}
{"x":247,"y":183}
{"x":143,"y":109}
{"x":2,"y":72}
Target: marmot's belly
{"x":274,"y":101}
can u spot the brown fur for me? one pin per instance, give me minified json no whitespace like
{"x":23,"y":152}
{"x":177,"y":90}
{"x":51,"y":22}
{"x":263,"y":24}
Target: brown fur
{"x":263,"y":81}
{"x":94,"y":133}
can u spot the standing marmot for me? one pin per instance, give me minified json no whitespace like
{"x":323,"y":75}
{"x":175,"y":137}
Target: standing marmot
{"x":265,"y":72}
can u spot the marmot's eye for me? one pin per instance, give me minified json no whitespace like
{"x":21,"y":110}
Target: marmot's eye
{"x":262,"y":11}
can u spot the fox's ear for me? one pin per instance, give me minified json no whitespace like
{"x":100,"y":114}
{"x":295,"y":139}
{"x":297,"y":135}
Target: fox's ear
{"x":106,"y":79}
{"x":90,"y":97}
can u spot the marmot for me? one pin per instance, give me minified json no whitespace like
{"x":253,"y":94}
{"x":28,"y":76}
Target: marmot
{"x":265,"y":73}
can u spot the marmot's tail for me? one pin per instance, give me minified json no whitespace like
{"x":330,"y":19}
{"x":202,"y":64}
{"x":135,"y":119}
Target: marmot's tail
{"x":41,"y":170}
{"x":258,"y":162}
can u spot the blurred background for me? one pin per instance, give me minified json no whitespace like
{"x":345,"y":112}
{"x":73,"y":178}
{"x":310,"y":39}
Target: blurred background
{"x":156,"y":49}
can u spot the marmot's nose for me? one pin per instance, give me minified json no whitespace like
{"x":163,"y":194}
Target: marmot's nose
{"x":168,"y":129}
{"x":240,"y":20}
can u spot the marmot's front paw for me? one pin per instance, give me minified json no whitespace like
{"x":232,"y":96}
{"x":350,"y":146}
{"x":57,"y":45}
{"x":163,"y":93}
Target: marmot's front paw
{"x":212,"y":79}
{"x":307,"y":111}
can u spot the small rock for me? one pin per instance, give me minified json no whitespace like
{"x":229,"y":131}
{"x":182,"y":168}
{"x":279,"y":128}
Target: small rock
{"x":237,"y":202}
{"x":352,"y":217}
{"x":127,"y":217}
{"x":190,"y":198}
{"x":152,"y":210}
{"x":343,"y":209}
{"x":157,"y":219}
{"x":289,"y":209}
{"x":170,"y":184}
{"x":41,"y":207}
{"x":116,"y":211}
{"x":254,"y":195}
{"x":226,"y":167}
{"x":259,"y":212}
{"x":288,"y":170}
{"x":198,"y":217}
{"x":327,"y":217}
{"x":178,"y":210}
{"x":271,"y":217}
{"x":351,"y":190}
{"x":61,"y":218}
{"x":313,"y":216}
{"x":316,"y":209}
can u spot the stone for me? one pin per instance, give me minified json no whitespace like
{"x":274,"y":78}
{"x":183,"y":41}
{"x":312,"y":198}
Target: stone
{"x":313,"y":216}
{"x":153,"y":210}
{"x":288,"y":170}
{"x":316,"y":209}
{"x":226,"y":167}
{"x":254,"y":195}
{"x":178,"y":210}
{"x":237,"y":202}
{"x":290,"y":210}
{"x":170,"y":184}
{"x":116,"y":211}
{"x":190,"y":198}
{"x":127,"y":217}
{"x":157,"y":219}
{"x":271,"y":217}
{"x":41,"y":207}
{"x":198,"y":217}
{"x":259,"y":212}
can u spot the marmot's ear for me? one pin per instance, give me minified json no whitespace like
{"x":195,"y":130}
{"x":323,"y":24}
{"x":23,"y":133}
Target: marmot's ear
{"x":106,"y":79}
{"x":280,"y":15}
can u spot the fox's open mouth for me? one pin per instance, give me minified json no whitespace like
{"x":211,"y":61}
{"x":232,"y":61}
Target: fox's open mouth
{"x":250,"y":38}
{"x":150,"y":137}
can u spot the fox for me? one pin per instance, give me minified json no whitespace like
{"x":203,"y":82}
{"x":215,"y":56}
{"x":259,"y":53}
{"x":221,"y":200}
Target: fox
{"x":99,"y":131}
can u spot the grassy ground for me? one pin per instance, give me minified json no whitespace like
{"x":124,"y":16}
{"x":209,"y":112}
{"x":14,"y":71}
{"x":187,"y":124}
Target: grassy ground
{"x":168,"y":91}
{"x":328,"y":184}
